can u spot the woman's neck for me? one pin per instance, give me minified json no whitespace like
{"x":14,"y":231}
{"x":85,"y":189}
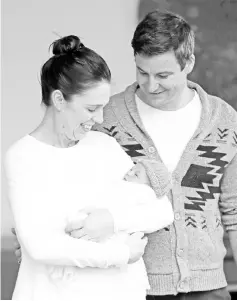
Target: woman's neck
{"x":51,"y":131}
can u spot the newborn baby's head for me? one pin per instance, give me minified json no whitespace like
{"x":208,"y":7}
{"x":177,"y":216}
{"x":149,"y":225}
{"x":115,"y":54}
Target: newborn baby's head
{"x":137,"y":174}
{"x":150,"y":172}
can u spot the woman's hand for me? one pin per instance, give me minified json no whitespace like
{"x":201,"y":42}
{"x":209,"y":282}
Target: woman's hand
{"x":98,"y":225}
{"x":17,"y":247}
{"x":136,"y":243}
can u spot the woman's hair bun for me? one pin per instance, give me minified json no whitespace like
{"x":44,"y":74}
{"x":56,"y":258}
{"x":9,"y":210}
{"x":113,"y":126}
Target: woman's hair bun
{"x":67,"y":45}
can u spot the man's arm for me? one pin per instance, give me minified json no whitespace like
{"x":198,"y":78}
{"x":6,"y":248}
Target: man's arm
{"x":233,"y":243}
{"x":228,"y":203}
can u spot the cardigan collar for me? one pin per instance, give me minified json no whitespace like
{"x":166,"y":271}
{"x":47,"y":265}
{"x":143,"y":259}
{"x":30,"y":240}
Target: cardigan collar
{"x":206,"y":119}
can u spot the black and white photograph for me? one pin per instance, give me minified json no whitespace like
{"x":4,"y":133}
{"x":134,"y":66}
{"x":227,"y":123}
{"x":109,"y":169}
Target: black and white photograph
{"x":119,"y":150}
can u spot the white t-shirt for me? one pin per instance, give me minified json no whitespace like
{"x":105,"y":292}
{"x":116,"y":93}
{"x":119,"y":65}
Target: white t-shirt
{"x":170,"y":130}
{"x":47,"y":185}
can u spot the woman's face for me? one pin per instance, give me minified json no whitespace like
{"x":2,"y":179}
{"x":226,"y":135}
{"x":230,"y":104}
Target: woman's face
{"x":84,"y":110}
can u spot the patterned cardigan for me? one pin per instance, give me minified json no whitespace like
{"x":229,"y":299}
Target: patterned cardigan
{"x":188,"y":255}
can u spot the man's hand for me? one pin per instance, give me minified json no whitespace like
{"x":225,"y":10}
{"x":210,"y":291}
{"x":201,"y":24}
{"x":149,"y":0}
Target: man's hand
{"x":98,"y":225}
{"x":17,"y":247}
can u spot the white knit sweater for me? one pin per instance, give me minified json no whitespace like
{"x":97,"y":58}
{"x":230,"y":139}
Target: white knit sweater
{"x":47,"y":185}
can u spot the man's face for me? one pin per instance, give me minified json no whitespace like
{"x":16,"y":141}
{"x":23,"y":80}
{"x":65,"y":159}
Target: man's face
{"x":161,"y":79}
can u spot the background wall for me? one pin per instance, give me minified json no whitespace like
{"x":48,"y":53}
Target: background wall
{"x":215,"y":26}
{"x":28,"y":28}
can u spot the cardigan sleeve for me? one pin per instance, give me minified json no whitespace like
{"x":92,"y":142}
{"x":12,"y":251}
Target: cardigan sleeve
{"x":228,"y":197}
{"x":40,"y":224}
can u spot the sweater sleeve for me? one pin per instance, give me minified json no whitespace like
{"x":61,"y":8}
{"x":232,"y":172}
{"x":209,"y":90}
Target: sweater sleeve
{"x":228,"y":197}
{"x":40,"y":224}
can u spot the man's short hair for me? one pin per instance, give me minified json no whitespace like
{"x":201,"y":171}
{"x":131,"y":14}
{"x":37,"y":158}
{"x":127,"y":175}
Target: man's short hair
{"x":163,"y":31}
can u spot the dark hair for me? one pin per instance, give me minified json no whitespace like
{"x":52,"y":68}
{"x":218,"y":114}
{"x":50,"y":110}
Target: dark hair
{"x":73,"y":69}
{"x":160,"y":32}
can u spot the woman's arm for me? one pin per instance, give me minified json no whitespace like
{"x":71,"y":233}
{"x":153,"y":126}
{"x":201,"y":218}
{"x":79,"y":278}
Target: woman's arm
{"x":40,"y":225}
{"x":124,"y":207}
{"x":129,"y":210}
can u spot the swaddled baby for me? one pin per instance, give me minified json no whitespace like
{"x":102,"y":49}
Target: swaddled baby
{"x":140,"y":197}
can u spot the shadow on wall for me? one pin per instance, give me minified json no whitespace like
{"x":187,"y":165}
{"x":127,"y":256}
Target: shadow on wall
{"x":214,"y":23}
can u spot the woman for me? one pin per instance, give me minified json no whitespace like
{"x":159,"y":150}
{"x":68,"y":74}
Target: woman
{"x":55,"y":171}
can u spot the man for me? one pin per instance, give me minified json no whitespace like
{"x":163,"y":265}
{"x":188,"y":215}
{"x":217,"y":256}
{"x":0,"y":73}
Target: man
{"x":164,"y":117}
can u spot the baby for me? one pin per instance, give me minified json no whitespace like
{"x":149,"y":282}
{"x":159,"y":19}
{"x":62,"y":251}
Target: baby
{"x":141,"y":193}
{"x":145,"y":183}
{"x":151,"y":173}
